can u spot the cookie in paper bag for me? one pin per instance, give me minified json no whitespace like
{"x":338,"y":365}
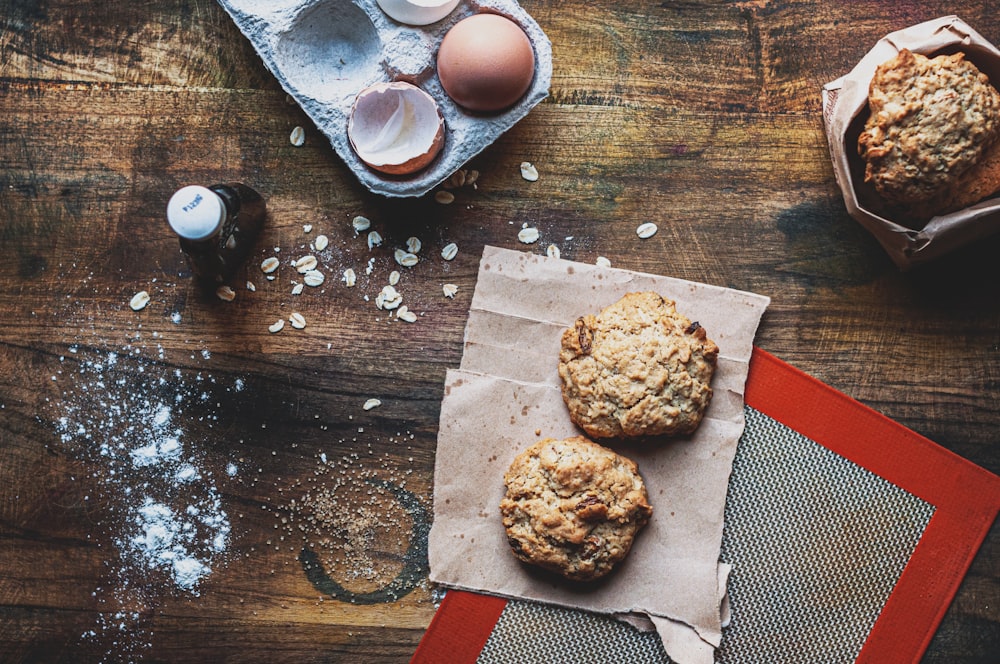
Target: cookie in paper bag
{"x":930,"y":145}
{"x":573,"y":507}
{"x":639,"y":368}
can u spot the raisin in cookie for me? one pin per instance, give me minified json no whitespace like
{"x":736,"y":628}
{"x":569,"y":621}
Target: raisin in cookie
{"x":932,"y":120}
{"x":573,"y":506}
{"x":638,"y":368}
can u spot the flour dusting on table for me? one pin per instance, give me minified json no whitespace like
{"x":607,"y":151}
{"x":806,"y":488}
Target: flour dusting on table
{"x":160,"y":505}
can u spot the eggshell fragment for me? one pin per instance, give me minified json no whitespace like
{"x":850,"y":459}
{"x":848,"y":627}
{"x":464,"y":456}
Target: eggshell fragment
{"x":395,"y":128}
{"x":486,"y":62}
{"x":417,"y":12}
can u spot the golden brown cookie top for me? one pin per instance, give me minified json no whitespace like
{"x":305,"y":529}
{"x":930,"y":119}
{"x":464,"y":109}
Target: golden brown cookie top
{"x":639,"y":368}
{"x":573,"y":506}
{"x":931,"y":120}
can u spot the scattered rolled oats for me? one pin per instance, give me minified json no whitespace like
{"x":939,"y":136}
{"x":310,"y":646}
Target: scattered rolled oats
{"x":297,"y":289}
{"x":139,"y":301}
{"x":374,"y":240}
{"x":388,"y":298}
{"x":457,"y":179}
{"x":269,"y":265}
{"x":276,"y":326}
{"x":394,"y":277}
{"x":251,"y":286}
{"x":449,"y":290}
{"x":307,"y":228}
{"x":231,"y":242}
{"x":405,"y":314}
{"x":405,"y":258}
{"x":552,"y":251}
{"x":528,"y":235}
{"x":450,"y":251}
{"x":646,"y":230}
{"x":444,"y":197}
{"x":528,"y":171}
{"x":321,"y":242}
{"x":361,"y":223}
{"x":298,"y":136}
{"x":297,"y":320}
{"x":349,"y":277}
{"x":413,"y":245}
{"x":602,"y":261}
{"x":306,"y":263}
{"x":314,"y":278}
{"x":471,"y":177}
{"x":371,"y":403}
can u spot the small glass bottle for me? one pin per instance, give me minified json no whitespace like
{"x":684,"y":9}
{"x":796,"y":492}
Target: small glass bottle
{"x":217,"y":226}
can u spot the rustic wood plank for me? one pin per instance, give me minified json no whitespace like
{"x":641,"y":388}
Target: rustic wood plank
{"x":700,"y":116}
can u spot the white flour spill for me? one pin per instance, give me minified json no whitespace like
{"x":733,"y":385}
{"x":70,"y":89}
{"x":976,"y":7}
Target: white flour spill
{"x":161,"y":509}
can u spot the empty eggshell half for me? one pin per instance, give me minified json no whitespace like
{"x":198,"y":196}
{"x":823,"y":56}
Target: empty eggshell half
{"x":395,"y":128}
{"x":417,"y":12}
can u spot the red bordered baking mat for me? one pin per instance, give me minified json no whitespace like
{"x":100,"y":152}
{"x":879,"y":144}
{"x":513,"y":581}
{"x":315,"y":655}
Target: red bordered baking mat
{"x":966,"y":500}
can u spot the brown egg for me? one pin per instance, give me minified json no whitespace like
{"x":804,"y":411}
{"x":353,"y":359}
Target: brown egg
{"x":486,"y":62}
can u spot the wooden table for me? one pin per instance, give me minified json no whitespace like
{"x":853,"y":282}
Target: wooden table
{"x":701,"y":117}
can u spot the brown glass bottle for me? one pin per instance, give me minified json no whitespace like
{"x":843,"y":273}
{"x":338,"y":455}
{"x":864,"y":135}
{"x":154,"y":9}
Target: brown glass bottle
{"x":217,"y":227}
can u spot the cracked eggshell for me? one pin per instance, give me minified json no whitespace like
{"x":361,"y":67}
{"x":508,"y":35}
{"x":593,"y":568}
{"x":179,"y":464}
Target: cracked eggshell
{"x":417,"y":12}
{"x":396,"y":128}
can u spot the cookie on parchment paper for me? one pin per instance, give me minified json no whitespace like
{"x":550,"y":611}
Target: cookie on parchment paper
{"x":573,"y":507}
{"x":639,"y":368}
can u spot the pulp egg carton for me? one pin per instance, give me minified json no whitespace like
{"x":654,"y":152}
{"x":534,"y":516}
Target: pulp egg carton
{"x":324,"y":52}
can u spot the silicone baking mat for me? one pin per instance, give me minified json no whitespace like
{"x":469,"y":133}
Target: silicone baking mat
{"x":848,"y":534}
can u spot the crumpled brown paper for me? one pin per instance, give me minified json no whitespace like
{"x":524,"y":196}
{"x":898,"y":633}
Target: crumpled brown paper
{"x":845,"y":109}
{"x":507,"y":389}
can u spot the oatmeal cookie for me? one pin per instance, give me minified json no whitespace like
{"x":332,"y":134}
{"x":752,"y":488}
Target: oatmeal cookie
{"x":932,"y":120}
{"x":639,"y":368}
{"x":573,"y":506}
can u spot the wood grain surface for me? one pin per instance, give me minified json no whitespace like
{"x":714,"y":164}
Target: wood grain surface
{"x":703,"y":117}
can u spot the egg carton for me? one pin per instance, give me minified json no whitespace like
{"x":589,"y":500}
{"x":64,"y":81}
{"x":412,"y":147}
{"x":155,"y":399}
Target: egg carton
{"x":324,"y":52}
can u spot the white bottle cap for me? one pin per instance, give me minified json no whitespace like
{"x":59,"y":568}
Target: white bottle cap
{"x":195,"y":213}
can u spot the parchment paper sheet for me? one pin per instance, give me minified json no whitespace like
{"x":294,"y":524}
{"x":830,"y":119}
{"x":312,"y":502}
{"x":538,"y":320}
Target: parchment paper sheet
{"x":507,"y":389}
{"x":844,"y":102}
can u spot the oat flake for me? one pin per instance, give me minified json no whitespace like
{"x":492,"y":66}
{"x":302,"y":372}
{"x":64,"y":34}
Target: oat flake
{"x":646,"y":230}
{"x":528,"y":171}
{"x":139,"y":301}
{"x":314,"y":278}
{"x":269,"y":265}
{"x":405,"y":258}
{"x":360,"y":223}
{"x":306,"y":263}
{"x":528,"y":235}
{"x":225,"y":293}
